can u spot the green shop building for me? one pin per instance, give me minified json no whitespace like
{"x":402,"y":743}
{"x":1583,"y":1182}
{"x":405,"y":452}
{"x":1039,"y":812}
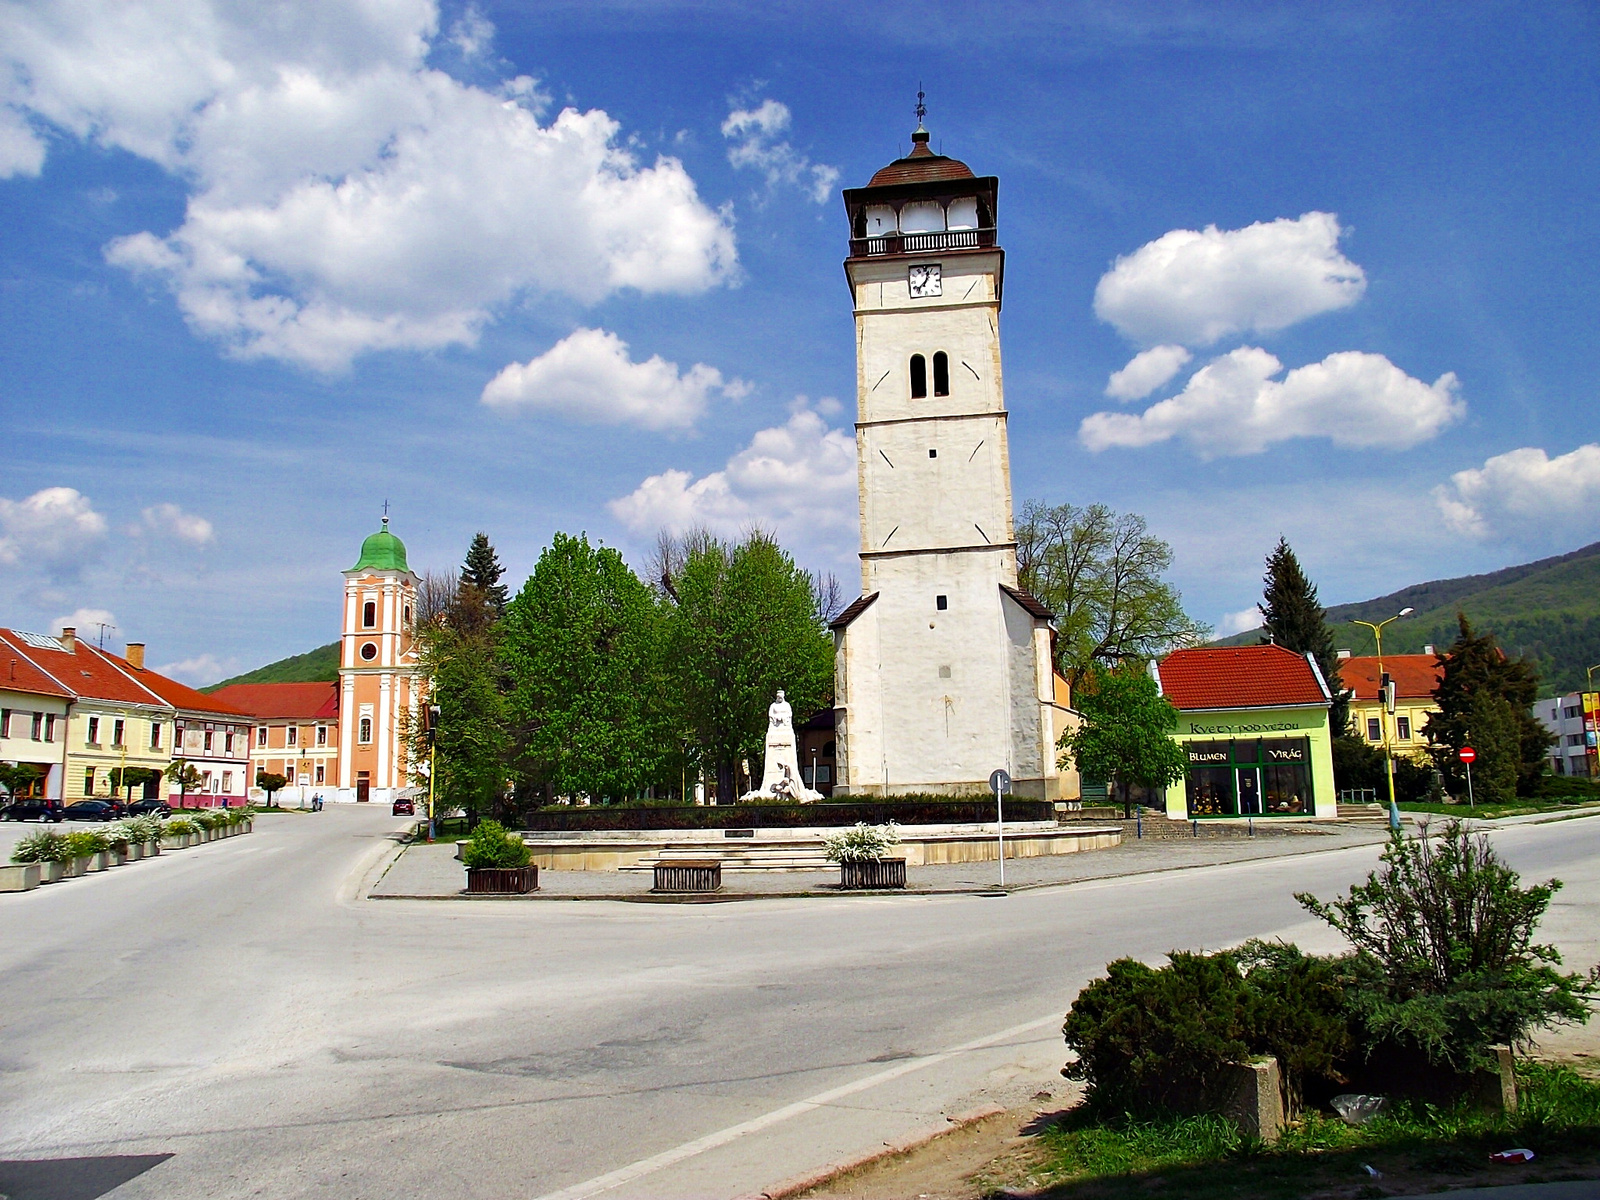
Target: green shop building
{"x":1253,"y":723}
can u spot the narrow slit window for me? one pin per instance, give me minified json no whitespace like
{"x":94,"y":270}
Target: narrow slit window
{"x":919,"y":377}
{"x":941,"y":374}
{"x":369,"y":615}
{"x":941,"y":602}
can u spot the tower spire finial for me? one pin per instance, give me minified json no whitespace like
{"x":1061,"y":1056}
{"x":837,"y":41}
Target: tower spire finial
{"x":386,"y":512}
{"x":922,"y":109}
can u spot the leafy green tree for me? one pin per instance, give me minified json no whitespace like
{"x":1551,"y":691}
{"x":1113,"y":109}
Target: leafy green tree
{"x":742,"y":622}
{"x":18,"y":777}
{"x":458,"y":653}
{"x":482,"y":570}
{"x":1475,"y":666}
{"x":1295,"y":620}
{"x":125,"y":779}
{"x":184,"y":773}
{"x":582,"y":652}
{"x":269,"y":782}
{"x":1101,"y":573}
{"x":1125,"y":734}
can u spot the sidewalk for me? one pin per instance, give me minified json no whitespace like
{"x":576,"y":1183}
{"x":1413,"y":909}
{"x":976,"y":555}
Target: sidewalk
{"x":424,"y":872}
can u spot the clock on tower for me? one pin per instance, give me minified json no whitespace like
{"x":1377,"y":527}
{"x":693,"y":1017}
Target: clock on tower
{"x":943,"y":666}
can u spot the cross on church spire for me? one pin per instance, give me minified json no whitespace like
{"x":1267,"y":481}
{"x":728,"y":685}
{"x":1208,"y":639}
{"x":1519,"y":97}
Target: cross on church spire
{"x":922,"y":109}
{"x":386,"y":512}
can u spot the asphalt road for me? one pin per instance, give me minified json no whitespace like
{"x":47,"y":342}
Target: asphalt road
{"x":234,"y":1020}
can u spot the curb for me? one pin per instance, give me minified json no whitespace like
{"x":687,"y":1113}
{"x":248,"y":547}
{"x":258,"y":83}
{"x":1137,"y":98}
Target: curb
{"x":796,"y":1184}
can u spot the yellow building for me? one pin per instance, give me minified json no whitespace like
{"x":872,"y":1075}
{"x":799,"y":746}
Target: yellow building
{"x":1415,"y":677}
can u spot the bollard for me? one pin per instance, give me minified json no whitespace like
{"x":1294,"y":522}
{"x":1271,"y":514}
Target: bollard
{"x":1252,"y":827}
{"x":1196,"y":825}
{"x":1138,"y":822}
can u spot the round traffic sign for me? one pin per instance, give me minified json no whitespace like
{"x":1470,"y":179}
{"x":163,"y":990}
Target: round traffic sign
{"x":1468,"y":754}
{"x":1000,"y":781}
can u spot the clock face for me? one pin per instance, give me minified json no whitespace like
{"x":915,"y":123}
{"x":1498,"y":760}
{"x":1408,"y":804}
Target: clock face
{"x":924,"y":280}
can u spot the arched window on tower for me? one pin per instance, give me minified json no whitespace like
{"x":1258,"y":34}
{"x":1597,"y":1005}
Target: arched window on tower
{"x":941,"y":374}
{"x":369,"y":615}
{"x":919,"y":377}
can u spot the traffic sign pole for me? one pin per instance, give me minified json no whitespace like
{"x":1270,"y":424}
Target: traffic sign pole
{"x":1000,"y":781}
{"x":1468,"y":755}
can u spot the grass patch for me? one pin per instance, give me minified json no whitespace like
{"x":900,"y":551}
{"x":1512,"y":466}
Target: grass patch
{"x":1515,"y":808}
{"x":1416,"y":1147}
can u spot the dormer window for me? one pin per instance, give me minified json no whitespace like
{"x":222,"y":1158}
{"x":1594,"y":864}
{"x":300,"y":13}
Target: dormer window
{"x":919,"y":377}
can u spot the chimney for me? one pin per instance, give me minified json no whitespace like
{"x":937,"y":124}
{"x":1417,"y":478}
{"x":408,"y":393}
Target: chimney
{"x":1344,"y":654}
{"x":69,"y":639}
{"x":1428,"y":649}
{"x":135,"y":655}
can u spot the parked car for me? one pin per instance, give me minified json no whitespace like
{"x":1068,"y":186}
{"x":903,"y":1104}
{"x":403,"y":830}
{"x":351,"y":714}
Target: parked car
{"x":403,"y":807}
{"x":92,"y":810}
{"x":158,"y":806}
{"x":31,"y":810}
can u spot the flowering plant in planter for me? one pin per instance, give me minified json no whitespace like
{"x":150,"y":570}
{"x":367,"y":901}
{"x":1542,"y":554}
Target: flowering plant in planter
{"x":43,"y":846}
{"x":862,"y":854}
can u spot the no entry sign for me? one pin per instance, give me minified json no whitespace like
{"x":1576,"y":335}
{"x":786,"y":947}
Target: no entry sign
{"x":1468,"y":754}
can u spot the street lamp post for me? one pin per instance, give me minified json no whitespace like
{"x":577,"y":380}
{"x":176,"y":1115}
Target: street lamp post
{"x":1384,"y":705}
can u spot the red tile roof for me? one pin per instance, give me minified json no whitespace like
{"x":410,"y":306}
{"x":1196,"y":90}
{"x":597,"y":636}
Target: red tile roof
{"x":177,"y":694}
{"x":87,"y":673}
{"x":18,"y":673}
{"x":1240,"y":677}
{"x":1415,"y":675}
{"x":304,"y":701}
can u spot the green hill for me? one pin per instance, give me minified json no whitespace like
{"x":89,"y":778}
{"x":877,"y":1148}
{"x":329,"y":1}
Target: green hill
{"x":314,"y":666}
{"x":1548,"y":610}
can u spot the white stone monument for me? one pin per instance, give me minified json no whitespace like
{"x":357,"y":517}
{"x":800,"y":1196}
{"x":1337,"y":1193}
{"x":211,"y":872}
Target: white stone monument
{"x":780,"y":777}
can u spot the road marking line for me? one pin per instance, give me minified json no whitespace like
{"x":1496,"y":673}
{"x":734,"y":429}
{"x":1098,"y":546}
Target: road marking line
{"x":711,"y":1141}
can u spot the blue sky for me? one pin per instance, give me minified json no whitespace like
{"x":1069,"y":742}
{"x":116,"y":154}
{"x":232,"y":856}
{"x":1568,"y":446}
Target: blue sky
{"x":523,"y":268}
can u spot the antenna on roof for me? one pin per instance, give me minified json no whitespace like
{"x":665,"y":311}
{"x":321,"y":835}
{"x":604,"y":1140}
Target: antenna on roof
{"x":104,"y":625}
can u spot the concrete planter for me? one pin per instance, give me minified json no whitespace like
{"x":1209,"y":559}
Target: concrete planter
{"x":100,"y":861}
{"x":49,"y":872}
{"x":504,"y":881}
{"x":19,"y":877}
{"x":151,"y":849}
{"x":174,"y":841}
{"x":873,"y":874}
{"x":134,"y":852}
{"x":75,"y":867}
{"x":115,"y":857}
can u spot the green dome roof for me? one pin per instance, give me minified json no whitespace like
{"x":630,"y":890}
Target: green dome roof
{"x":382,"y":551}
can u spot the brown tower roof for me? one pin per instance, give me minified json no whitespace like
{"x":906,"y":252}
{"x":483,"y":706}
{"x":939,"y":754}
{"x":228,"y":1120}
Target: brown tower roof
{"x":921,"y":166}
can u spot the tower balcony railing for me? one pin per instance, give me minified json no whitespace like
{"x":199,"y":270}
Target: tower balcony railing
{"x":922,"y":243}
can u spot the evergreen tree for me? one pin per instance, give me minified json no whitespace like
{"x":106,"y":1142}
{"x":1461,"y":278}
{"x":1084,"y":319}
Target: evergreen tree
{"x":1295,"y":620}
{"x":582,"y":650}
{"x":1473,"y":666}
{"x":482,"y":570}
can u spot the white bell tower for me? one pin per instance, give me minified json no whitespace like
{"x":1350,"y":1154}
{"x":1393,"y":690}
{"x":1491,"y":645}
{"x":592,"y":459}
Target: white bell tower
{"x":943,"y":667}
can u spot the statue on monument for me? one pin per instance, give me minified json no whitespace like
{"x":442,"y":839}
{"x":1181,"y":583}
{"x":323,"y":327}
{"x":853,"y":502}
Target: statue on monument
{"x":780,"y":777}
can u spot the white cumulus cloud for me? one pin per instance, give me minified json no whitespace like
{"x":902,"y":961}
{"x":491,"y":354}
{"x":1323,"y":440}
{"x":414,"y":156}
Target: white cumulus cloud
{"x":200,"y":670}
{"x":1242,"y":621}
{"x":756,"y":141}
{"x":1146,"y":372}
{"x":21,"y":150}
{"x":1525,"y":487}
{"x":1195,"y":287}
{"x":171,"y":521}
{"x":344,"y":196}
{"x":87,"y":623}
{"x":56,"y":529}
{"x":589,"y":376}
{"x":796,"y":478}
{"x":1234,"y":405}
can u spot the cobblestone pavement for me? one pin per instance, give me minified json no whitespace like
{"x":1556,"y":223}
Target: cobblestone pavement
{"x":424,"y":871}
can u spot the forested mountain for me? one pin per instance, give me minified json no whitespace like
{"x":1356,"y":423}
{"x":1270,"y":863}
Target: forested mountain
{"x":1548,"y":610}
{"x":314,"y":666}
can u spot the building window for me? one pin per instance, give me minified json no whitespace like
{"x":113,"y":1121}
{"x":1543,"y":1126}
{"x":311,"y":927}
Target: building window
{"x":227,"y":782}
{"x":261,"y":735}
{"x":116,"y":733}
{"x":322,"y":735}
{"x":155,"y":735}
{"x":365,"y":731}
{"x":94,"y":731}
{"x":941,"y":602}
{"x":1374,"y":730}
{"x":408,"y":616}
{"x":50,"y":727}
{"x":288,"y":772}
{"x":227,"y":742}
{"x":5,"y":722}
{"x":210,"y":741}
{"x":88,"y":781}
{"x":827,"y":749}
{"x":369,"y":651}
{"x":320,"y":769}
{"x":824,"y":773}
{"x":1569,"y":712}
{"x":38,"y":726}
{"x":1402,"y":728}
{"x":1574,"y":739}
{"x":933,"y":453}
{"x":941,"y":374}
{"x":369,"y":615}
{"x":291,"y":735}
{"x":919,"y":377}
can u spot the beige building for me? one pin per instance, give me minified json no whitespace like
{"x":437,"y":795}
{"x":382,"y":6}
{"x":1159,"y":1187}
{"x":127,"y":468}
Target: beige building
{"x":943,"y":667}
{"x":33,"y":721}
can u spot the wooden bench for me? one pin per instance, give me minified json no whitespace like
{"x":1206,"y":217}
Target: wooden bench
{"x":688,"y":875}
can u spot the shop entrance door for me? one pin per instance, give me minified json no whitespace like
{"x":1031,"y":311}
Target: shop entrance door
{"x":1249,"y":791}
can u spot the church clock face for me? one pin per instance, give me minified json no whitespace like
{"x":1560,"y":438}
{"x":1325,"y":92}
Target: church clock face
{"x":924,"y":280}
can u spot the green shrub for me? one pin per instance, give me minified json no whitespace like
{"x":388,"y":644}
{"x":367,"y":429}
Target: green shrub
{"x":178,"y":826}
{"x":1445,"y":960}
{"x":861,"y":843}
{"x":491,"y":846}
{"x":83,"y":842}
{"x":146,"y":828}
{"x":43,"y":845}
